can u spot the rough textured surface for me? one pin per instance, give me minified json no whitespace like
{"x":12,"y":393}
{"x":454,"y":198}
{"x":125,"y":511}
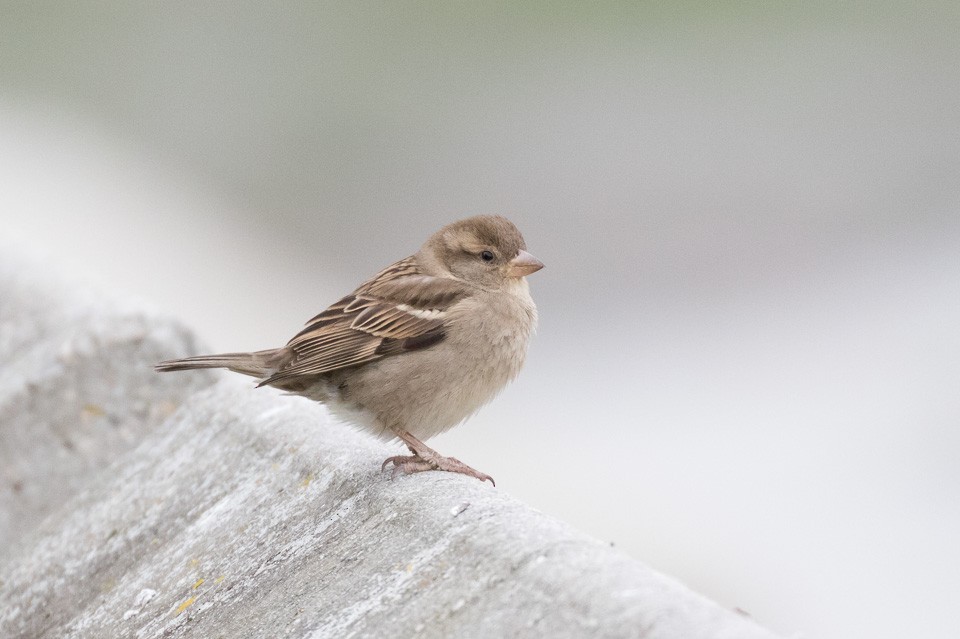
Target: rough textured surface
{"x":76,"y":391}
{"x":250,"y":514}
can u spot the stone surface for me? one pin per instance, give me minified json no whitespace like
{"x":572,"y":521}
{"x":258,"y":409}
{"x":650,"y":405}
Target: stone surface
{"x":246,"y":513}
{"x":76,"y":390}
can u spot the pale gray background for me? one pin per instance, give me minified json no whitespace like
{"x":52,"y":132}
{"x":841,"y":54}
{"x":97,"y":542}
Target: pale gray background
{"x":748,"y":364}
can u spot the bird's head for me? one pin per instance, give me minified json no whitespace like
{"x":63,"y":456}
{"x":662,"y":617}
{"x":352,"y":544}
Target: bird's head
{"x":486,"y":250}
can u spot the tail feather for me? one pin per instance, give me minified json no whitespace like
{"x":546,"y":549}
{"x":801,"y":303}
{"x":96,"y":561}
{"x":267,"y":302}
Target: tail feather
{"x":258,"y":364}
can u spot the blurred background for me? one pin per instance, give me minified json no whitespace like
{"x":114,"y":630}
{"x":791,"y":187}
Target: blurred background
{"x":748,"y":363}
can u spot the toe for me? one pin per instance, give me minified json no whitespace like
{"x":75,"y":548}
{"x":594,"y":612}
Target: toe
{"x":396,"y":461}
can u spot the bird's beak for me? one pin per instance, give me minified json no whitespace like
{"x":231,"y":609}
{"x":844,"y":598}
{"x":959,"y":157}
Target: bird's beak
{"x":524,"y":264}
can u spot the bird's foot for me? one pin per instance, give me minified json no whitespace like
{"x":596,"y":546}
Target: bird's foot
{"x":429,"y":459}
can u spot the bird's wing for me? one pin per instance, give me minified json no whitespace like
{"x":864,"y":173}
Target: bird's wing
{"x":399,"y":310}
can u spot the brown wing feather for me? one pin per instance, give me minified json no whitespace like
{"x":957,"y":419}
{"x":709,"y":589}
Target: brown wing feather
{"x":399,"y":310}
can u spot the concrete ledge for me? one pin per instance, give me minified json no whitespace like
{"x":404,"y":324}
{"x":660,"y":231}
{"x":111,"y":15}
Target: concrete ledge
{"x":76,"y":391}
{"x":249,"y":514}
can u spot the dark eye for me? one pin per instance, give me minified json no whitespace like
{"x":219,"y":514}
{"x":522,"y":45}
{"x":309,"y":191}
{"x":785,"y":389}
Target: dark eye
{"x":486,"y":256}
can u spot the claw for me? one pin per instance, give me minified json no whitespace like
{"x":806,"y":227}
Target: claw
{"x":407,"y":464}
{"x":429,"y":459}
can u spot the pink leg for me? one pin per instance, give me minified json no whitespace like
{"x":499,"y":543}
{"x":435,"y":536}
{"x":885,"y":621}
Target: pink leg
{"x":425,"y":458}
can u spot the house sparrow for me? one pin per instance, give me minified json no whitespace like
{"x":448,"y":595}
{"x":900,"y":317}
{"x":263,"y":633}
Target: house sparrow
{"x":418,"y":348}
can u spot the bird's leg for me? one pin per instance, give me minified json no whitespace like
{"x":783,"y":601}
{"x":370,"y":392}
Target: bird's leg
{"x":425,"y":458}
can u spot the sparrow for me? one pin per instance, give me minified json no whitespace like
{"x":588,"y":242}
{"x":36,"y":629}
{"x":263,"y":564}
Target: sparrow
{"x":418,"y":348}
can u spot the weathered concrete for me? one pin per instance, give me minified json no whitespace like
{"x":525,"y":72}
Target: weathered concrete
{"x":76,"y":390}
{"x":250,"y":514}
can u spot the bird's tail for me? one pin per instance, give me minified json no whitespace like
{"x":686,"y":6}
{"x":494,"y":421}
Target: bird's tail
{"x":257,"y":364}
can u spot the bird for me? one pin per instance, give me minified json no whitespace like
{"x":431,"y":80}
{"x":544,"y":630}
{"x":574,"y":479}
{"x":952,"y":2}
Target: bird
{"x":416,"y":349}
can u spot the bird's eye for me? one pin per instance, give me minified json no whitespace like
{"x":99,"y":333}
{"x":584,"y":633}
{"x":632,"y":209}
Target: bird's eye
{"x":486,"y":256}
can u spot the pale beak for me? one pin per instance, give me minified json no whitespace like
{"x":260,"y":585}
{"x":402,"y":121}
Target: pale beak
{"x":524,"y":264}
